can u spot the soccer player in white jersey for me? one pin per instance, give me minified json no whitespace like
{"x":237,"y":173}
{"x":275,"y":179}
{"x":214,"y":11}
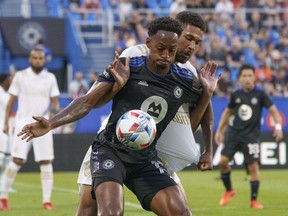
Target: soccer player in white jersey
{"x":37,"y":91}
{"x":176,"y":151}
{"x":5,"y":81}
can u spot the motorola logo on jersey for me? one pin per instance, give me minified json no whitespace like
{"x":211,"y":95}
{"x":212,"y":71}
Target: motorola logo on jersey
{"x":245,"y":112}
{"x":154,"y":110}
{"x":156,"y":107}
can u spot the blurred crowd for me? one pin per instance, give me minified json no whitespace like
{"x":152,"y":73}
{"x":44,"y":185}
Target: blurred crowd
{"x":239,"y":31}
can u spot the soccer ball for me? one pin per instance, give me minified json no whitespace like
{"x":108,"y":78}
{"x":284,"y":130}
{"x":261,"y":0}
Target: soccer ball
{"x":136,"y":129}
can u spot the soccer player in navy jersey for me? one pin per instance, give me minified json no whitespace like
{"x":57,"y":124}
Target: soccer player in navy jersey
{"x":112,"y":164}
{"x":241,"y":122}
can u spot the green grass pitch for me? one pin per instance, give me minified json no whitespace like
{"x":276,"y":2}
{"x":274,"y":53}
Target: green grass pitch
{"x":204,"y":190}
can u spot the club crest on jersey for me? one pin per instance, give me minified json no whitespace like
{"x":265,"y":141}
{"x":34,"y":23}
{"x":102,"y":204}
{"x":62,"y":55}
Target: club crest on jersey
{"x":178,"y":92}
{"x":254,"y":100}
{"x":108,"y":164}
{"x":238,"y":100}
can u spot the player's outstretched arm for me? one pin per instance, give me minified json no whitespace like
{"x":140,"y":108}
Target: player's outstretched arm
{"x":278,"y":133}
{"x":77,"y":109}
{"x":207,"y":123}
{"x":219,"y":135}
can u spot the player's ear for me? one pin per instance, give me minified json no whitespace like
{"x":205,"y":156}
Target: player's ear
{"x":148,"y":42}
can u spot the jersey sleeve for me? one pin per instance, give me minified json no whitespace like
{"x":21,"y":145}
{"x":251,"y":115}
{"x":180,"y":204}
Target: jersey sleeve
{"x":135,"y":51}
{"x":106,"y":76}
{"x":14,"y":88}
{"x":231,"y":103}
{"x":267,"y":102}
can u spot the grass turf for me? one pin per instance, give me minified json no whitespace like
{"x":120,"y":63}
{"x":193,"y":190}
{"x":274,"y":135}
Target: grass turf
{"x":203,"y":189}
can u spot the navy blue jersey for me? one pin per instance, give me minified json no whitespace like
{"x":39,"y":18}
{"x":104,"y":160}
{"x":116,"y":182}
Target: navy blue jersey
{"x":159,"y":95}
{"x":247,"y":111}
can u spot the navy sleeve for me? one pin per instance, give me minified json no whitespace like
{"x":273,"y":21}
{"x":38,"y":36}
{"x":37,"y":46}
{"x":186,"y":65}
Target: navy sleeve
{"x":106,"y":76}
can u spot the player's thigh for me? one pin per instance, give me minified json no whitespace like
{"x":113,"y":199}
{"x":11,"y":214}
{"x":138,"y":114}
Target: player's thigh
{"x":170,"y":201}
{"x":231,"y":145}
{"x":108,"y":172}
{"x":251,"y":151}
{"x":43,"y":147}
{"x":87,"y":205}
{"x":3,"y":142}
{"x":146,"y":180}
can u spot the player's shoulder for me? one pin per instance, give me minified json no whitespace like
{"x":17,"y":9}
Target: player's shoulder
{"x":137,"y":50}
{"x":188,"y":66}
{"x":182,"y":71}
{"x":258,"y":88}
{"x":136,"y":61}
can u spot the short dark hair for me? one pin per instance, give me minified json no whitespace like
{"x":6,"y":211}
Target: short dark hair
{"x":4,"y":77}
{"x":246,"y":67}
{"x":165,"y":23}
{"x":190,"y":18}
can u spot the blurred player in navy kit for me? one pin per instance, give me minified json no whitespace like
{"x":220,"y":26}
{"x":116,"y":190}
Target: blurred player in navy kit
{"x":242,"y":118}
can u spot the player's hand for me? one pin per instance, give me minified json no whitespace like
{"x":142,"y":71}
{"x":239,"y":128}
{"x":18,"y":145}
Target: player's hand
{"x":6,"y":128}
{"x":36,"y":129}
{"x":207,"y":77}
{"x":219,"y":138}
{"x":278,"y":134}
{"x":205,"y":161}
{"x":119,"y":71}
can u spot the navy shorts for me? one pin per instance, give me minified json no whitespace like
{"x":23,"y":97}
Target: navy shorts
{"x":248,"y":146}
{"x":144,"y":179}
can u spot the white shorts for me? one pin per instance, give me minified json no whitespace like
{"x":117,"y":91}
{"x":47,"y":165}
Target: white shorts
{"x":176,"y":147}
{"x":42,"y":146}
{"x":84,"y":176}
{"x":4,"y":143}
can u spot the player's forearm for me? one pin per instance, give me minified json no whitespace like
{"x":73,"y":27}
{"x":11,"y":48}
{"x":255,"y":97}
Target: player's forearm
{"x":224,"y":120}
{"x":207,"y":124}
{"x":197,"y":113}
{"x":73,"y":112}
{"x":108,"y":96}
{"x":80,"y":107}
{"x":275,"y":114}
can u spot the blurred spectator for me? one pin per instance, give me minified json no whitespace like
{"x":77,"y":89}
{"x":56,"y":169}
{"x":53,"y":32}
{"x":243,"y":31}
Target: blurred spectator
{"x":218,"y":52}
{"x":139,"y":4}
{"x":91,"y":5}
{"x":235,"y":58}
{"x":93,"y":76}
{"x":256,"y":22}
{"x":225,"y":8}
{"x":177,"y":6}
{"x":41,"y":45}
{"x":79,"y":86}
{"x":263,"y":73}
{"x":224,"y":87}
{"x":125,"y":8}
{"x":279,"y":81}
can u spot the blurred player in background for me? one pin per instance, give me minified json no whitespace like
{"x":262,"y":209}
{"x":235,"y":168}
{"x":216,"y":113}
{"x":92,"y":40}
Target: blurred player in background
{"x":112,"y":164}
{"x":5,"y":81}
{"x":37,"y":92}
{"x":176,"y":146}
{"x":242,"y":118}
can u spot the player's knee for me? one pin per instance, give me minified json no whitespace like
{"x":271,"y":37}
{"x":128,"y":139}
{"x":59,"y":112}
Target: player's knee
{"x":112,"y":211}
